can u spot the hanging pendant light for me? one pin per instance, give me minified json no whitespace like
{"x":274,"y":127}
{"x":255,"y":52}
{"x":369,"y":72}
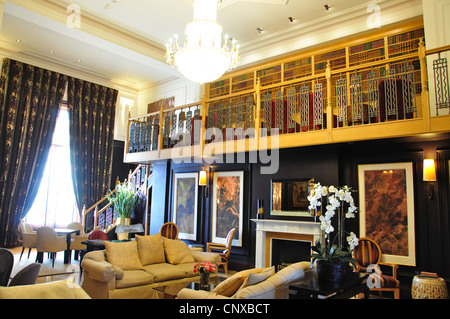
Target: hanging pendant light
{"x":203,"y":59}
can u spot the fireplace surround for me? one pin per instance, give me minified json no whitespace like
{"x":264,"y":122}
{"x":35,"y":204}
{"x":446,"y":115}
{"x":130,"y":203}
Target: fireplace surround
{"x":268,"y":230}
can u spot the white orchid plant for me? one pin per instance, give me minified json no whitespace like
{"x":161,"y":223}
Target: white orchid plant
{"x":339,"y":201}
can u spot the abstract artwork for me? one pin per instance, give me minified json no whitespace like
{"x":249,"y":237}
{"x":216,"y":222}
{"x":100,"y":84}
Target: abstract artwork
{"x":228,"y":206}
{"x":386,"y":200}
{"x":185,"y":205}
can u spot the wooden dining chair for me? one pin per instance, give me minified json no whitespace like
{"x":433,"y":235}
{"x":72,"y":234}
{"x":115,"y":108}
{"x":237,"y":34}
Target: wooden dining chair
{"x":169,"y":230}
{"x":223,"y":250}
{"x":368,"y":253}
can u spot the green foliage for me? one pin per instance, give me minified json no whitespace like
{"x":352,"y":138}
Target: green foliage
{"x":334,"y":253}
{"x":124,"y":199}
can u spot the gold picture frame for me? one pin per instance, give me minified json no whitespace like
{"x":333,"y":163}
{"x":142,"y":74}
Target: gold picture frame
{"x":386,"y":203}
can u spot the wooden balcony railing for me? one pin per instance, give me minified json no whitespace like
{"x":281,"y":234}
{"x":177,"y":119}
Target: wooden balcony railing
{"x":103,"y":212}
{"x":381,"y":92}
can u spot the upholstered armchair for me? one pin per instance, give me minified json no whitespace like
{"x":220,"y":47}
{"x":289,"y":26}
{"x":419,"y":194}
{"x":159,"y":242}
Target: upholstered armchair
{"x":47,"y":241}
{"x":368,"y":253}
{"x":28,"y":238}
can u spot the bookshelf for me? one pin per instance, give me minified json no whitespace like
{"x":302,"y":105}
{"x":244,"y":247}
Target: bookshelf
{"x":337,"y":58}
{"x":219,"y":88}
{"x":404,"y":43}
{"x":366,"y":52}
{"x":297,"y":69}
{"x":243,"y":82}
{"x":271,"y":75}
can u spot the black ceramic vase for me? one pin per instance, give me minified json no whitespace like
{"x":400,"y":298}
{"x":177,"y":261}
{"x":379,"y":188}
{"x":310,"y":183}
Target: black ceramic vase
{"x":331,"y":271}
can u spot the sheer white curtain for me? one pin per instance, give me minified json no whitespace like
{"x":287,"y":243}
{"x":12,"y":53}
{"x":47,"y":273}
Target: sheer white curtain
{"x":55,"y":204}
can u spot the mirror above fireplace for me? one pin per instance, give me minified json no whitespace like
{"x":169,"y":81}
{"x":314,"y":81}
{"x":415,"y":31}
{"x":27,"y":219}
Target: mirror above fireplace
{"x":290,"y":197}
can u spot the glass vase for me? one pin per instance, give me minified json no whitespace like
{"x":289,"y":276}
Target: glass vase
{"x":204,"y":281}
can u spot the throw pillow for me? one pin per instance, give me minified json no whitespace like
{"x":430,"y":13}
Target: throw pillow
{"x":177,"y":252}
{"x":256,"y":278}
{"x":231,"y":285}
{"x":150,"y":249}
{"x":123,"y":255}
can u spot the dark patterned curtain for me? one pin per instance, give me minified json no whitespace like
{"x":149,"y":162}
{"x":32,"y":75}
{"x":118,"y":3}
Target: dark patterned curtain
{"x":30,"y":98}
{"x":91,"y":113}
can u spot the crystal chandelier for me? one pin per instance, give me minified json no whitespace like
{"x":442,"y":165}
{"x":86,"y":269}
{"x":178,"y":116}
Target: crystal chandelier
{"x":203,"y":59}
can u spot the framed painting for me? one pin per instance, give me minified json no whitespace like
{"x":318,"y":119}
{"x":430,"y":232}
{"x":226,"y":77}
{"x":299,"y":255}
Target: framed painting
{"x":228,"y":201}
{"x":386,"y":200}
{"x":185,"y":195}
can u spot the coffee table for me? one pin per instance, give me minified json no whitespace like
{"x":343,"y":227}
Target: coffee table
{"x":171,"y":291}
{"x":311,"y":288}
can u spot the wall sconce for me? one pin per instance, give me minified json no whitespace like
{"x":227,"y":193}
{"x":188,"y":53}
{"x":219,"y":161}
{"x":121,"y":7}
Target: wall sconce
{"x":203,"y":183}
{"x":429,"y":175}
{"x":260,"y":209}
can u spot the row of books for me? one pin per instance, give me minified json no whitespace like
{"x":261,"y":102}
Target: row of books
{"x":330,"y":55}
{"x":403,"y":48}
{"x":416,"y":34}
{"x":364,"y":56}
{"x":297,"y":63}
{"x":366,"y":46}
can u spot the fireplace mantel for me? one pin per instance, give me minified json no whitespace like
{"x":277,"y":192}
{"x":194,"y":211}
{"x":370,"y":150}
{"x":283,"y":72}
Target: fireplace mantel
{"x":264,"y":227}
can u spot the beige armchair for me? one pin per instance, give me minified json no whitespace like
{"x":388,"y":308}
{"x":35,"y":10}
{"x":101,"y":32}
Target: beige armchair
{"x":47,"y":241}
{"x":28,"y":238}
{"x":76,"y":240}
{"x":258,"y":283}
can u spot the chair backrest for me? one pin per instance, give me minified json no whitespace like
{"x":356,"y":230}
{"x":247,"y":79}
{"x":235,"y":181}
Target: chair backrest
{"x":45,"y":236}
{"x":26,"y":276}
{"x":98,"y":234}
{"x":6,"y":265}
{"x":169,"y":230}
{"x":77,"y":226}
{"x":368,"y":252}
{"x":26,"y":228}
{"x":229,"y":239}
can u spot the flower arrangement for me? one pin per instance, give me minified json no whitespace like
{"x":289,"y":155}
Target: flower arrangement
{"x":204,"y":267}
{"x":123,"y":199}
{"x":339,"y":203}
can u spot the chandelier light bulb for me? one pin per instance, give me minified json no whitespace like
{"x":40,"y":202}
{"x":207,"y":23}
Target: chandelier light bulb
{"x":203,"y":59}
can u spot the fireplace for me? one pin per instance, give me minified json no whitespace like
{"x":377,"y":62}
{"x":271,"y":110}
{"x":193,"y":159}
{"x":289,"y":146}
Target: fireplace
{"x":285,"y":252}
{"x":302,"y":234}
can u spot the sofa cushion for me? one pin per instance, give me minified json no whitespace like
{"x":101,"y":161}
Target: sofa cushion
{"x":231,"y":285}
{"x":150,"y":249}
{"x":132,"y":278}
{"x":163,"y":272}
{"x":177,"y":252}
{"x":256,"y":278}
{"x":188,"y":269}
{"x":123,"y":255}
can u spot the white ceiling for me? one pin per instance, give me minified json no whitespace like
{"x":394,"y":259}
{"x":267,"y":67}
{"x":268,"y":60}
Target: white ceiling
{"x":122,"y":42}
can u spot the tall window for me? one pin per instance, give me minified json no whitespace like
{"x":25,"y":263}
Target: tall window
{"x":55,"y":204}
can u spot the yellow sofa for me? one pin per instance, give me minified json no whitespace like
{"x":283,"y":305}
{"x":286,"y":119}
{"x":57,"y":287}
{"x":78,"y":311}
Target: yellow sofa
{"x":131,"y":269}
{"x":64,"y":289}
{"x":257,"y":283}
